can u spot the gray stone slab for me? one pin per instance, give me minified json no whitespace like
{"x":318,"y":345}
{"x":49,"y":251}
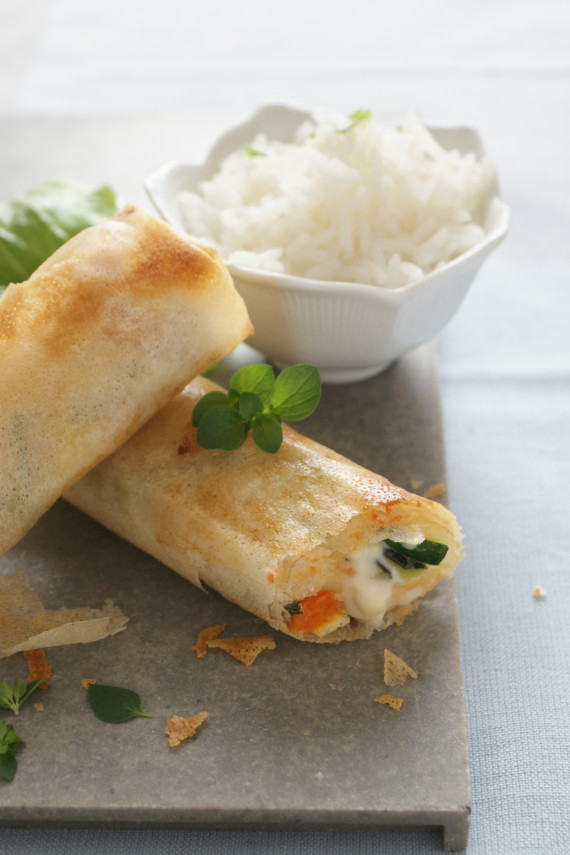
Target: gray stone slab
{"x":295,"y":742}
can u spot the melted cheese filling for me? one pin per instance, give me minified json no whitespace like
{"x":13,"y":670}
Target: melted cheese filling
{"x":377,"y":583}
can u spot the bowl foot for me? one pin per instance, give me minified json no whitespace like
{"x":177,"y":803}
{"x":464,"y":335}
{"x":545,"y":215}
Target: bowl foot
{"x":343,"y":375}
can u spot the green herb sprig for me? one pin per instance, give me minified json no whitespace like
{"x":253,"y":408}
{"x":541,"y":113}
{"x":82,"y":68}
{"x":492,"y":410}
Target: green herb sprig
{"x":114,"y":704}
{"x":9,"y":744}
{"x":258,"y":402}
{"x":355,"y":119}
{"x":13,"y":696}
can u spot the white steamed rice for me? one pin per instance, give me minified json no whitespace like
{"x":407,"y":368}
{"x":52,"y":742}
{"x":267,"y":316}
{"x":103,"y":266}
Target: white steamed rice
{"x":374,"y":204}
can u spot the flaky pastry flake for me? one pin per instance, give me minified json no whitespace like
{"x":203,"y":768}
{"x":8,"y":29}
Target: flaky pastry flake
{"x":38,"y":667}
{"x":178,"y":728}
{"x":396,"y":671}
{"x":206,"y":635}
{"x":390,"y":701}
{"x":246,"y":650}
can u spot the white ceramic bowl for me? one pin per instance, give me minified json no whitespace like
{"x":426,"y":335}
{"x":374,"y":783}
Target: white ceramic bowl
{"x":349,"y":331}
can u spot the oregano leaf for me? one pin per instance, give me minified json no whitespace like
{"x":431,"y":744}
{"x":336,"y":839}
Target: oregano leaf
{"x":114,"y":704}
{"x":297,"y":392}
{"x":249,"y":405}
{"x":223,"y":428}
{"x":8,"y":766}
{"x":207,"y":402}
{"x":12,"y":697}
{"x":256,"y":401}
{"x":9,"y":744}
{"x":258,"y":378}
{"x":267,"y":432}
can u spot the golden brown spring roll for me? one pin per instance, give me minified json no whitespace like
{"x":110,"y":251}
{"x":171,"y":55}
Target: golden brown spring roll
{"x":110,"y":327}
{"x":305,"y":539}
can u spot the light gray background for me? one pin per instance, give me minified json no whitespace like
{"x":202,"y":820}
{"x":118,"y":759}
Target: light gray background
{"x":505,"y":358}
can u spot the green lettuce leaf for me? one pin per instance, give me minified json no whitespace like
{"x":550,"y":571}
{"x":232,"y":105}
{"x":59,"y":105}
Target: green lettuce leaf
{"x":33,"y":226}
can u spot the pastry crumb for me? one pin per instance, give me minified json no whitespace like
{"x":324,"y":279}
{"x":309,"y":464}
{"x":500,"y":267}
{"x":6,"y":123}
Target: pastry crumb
{"x":178,"y":729}
{"x":38,"y":667}
{"x":415,"y":483}
{"x":246,"y":650}
{"x":435,"y":491}
{"x":539,"y":593}
{"x":396,"y":671}
{"x":390,"y":701}
{"x":88,"y":682}
{"x":38,"y":707}
{"x":206,"y":635}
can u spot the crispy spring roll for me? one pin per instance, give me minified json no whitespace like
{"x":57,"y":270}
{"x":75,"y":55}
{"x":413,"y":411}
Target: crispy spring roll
{"x":110,"y":327}
{"x":309,"y":541}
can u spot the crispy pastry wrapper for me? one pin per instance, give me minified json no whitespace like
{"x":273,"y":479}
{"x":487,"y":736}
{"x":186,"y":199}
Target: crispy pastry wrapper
{"x":263,"y":530}
{"x":26,"y":625}
{"x":101,"y":336}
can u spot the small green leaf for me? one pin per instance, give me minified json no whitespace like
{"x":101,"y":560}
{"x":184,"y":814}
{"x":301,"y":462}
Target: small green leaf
{"x":249,"y":405}
{"x":9,"y":744}
{"x":8,"y":767}
{"x":253,"y":152}
{"x":297,"y":392}
{"x":258,"y":378}
{"x":223,"y":428}
{"x":267,"y":432}
{"x":355,"y":119}
{"x":12,"y":697}
{"x":9,"y":739}
{"x":114,"y":704}
{"x":207,"y":402}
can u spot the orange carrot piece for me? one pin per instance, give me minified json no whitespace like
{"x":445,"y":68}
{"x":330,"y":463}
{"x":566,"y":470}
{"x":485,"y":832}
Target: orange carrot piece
{"x":316,"y":611}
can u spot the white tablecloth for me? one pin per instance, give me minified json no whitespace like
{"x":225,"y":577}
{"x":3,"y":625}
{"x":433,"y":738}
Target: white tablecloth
{"x":505,"y":358}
